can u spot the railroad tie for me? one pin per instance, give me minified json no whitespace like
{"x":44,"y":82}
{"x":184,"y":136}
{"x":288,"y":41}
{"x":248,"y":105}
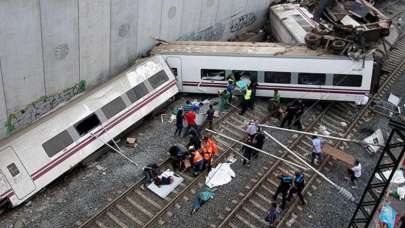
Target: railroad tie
{"x":254,"y":215}
{"x":116,"y":220}
{"x":129,"y":215}
{"x":257,"y":205}
{"x":245,"y":221}
{"x":262,"y":197}
{"x":100,"y":224}
{"x":139,"y":207}
{"x":149,"y":200}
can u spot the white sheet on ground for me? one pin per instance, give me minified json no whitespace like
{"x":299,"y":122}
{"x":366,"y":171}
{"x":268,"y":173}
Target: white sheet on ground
{"x":398,"y":177}
{"x":220,"y":175}
{"x":165,"y":190}
{"x":376,"y":138}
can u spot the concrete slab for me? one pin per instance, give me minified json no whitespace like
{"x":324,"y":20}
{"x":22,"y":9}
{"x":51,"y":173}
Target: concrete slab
{"x":60,"y":29}
{"x":124,"y":32}
{"x":190,"y":19}
{"x":3,"y":108}
{"x":21,"y":51}
{"x":94,"y":35}
{"x":170,"y":19}
{"x":148,"y":24}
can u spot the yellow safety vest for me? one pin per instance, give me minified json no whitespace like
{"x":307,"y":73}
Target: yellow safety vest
{"x":248,"y":94}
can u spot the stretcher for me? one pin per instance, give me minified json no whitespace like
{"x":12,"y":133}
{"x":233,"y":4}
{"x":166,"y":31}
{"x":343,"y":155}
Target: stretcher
{"x":164,"y":190}
{"x":339,"y":155}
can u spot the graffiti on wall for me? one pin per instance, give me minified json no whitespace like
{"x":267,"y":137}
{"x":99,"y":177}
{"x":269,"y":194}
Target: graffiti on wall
{"x":215,"y":32}
{"x":243,"y":21}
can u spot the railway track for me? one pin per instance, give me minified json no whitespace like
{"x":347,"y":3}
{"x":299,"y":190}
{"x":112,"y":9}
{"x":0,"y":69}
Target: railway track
{"x":137,"y":207}
{"x":251,"y":208}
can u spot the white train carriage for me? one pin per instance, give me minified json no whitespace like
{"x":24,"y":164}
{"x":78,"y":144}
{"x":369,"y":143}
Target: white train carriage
{"x":290,"y":23}
{"x":34,"y":157}
{"x":297,"y":72}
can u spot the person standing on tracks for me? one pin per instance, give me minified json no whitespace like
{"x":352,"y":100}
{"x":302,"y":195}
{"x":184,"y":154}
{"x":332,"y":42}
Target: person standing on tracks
{"x":258,"y":142}
{"x":251,"y":129}
{"x":210,"y":117}
{"x":253,"y":86}
{"x":291,"y":109}
{"x":246,"y":99}
{"x":247,"y":151}
{"x":191,"y":122}
{"x":223,"y":100}
{"x":354,"y":173}
{"x":230,"y":87}
{"x":298,"y":114}
{"x":317,"y":144}
{"x":274,"y":105}
{"x":297,"y":187}
{"x":284,"y":186}
{"x":179,"y":122}
{"x":208,"y":149}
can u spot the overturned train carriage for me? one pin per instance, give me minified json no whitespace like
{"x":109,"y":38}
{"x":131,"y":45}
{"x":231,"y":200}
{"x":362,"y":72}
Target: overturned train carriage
{"x":34,"y":157}
{"x":296,"y":71}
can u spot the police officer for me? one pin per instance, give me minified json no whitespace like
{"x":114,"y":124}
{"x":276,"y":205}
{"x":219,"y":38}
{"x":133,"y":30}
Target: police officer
{"x":285,"y":184}
{"x":246,"y":99}
{"x":297,"y":187}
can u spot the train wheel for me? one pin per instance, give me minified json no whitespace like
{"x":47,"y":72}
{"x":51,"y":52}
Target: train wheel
{"x":313,"y":41}
{"x":338,"y":46}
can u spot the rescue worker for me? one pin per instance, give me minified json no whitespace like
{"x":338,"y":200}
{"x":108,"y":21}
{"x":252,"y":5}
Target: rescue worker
{"x":150,"y":172}
{"x":251,"y":129}
{"x":177,"y":153}
{"x":202,"y":198}
{"x":317,"y":144}
{"x":230,"y":87}
{"x":354,"y":173}
{"x":194,"y":140}
{"x":297,"y":187}
{"x":197,"y":161}
{"x":253,"y":86}
{"x":291,"y":109}
{"x":274,"y":105}
{"x":246,"y":99}
{"x":258,"y":142}
{"x":209,"y":149}
{"x":188,"y":106}
{"x":210,"y":117}
{"x":298,"y":113}
{"x":285,"y":184}
{"x":223,"y":102}
{"x":247,"y":152}
{"x":179,"y":122}
{"x":191,"y":122}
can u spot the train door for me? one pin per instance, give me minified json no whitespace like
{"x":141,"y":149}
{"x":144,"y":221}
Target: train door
{"x":16,"y":174}
{"x":175,"y":66}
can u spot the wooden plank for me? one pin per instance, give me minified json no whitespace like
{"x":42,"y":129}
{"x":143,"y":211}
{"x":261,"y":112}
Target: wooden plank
{"x":116,"y":220}
{"x":338,"y":154}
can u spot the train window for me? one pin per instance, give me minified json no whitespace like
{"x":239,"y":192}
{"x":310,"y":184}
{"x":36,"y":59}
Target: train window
{"x":277,"y":77}
{"x":311,"y":79}
{"x":57,"y":143}
{"x":114,"y":107}
{"x":347,"y":80}
{"x":158,"y":79}
{"x":302,"y":22}
{"x":252,"y":75}
{"x":137,"y":92}
{"x":12,"y":168}
{"x":87,"y":124}
{"x":212,"y":75}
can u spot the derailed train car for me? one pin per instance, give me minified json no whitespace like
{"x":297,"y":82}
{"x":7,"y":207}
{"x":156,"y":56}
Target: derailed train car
{"x":295,"y":71}
{"x":33,"y":157}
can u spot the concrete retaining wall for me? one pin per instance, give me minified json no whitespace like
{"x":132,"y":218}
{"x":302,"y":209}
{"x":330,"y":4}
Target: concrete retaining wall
{"x":47,"y":46}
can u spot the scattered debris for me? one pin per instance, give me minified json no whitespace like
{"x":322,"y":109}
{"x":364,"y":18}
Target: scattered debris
{"x":131,"y":142}
{"x":100,"y":168}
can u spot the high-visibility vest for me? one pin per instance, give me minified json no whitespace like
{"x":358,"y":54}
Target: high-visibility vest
{"x":213,"y":146}
{"x":248,"y":94}
{"x":207,"y":156}
{"x":197,"y":157}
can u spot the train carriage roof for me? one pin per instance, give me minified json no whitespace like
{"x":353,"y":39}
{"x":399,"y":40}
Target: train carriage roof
{"x":240,"y":49}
